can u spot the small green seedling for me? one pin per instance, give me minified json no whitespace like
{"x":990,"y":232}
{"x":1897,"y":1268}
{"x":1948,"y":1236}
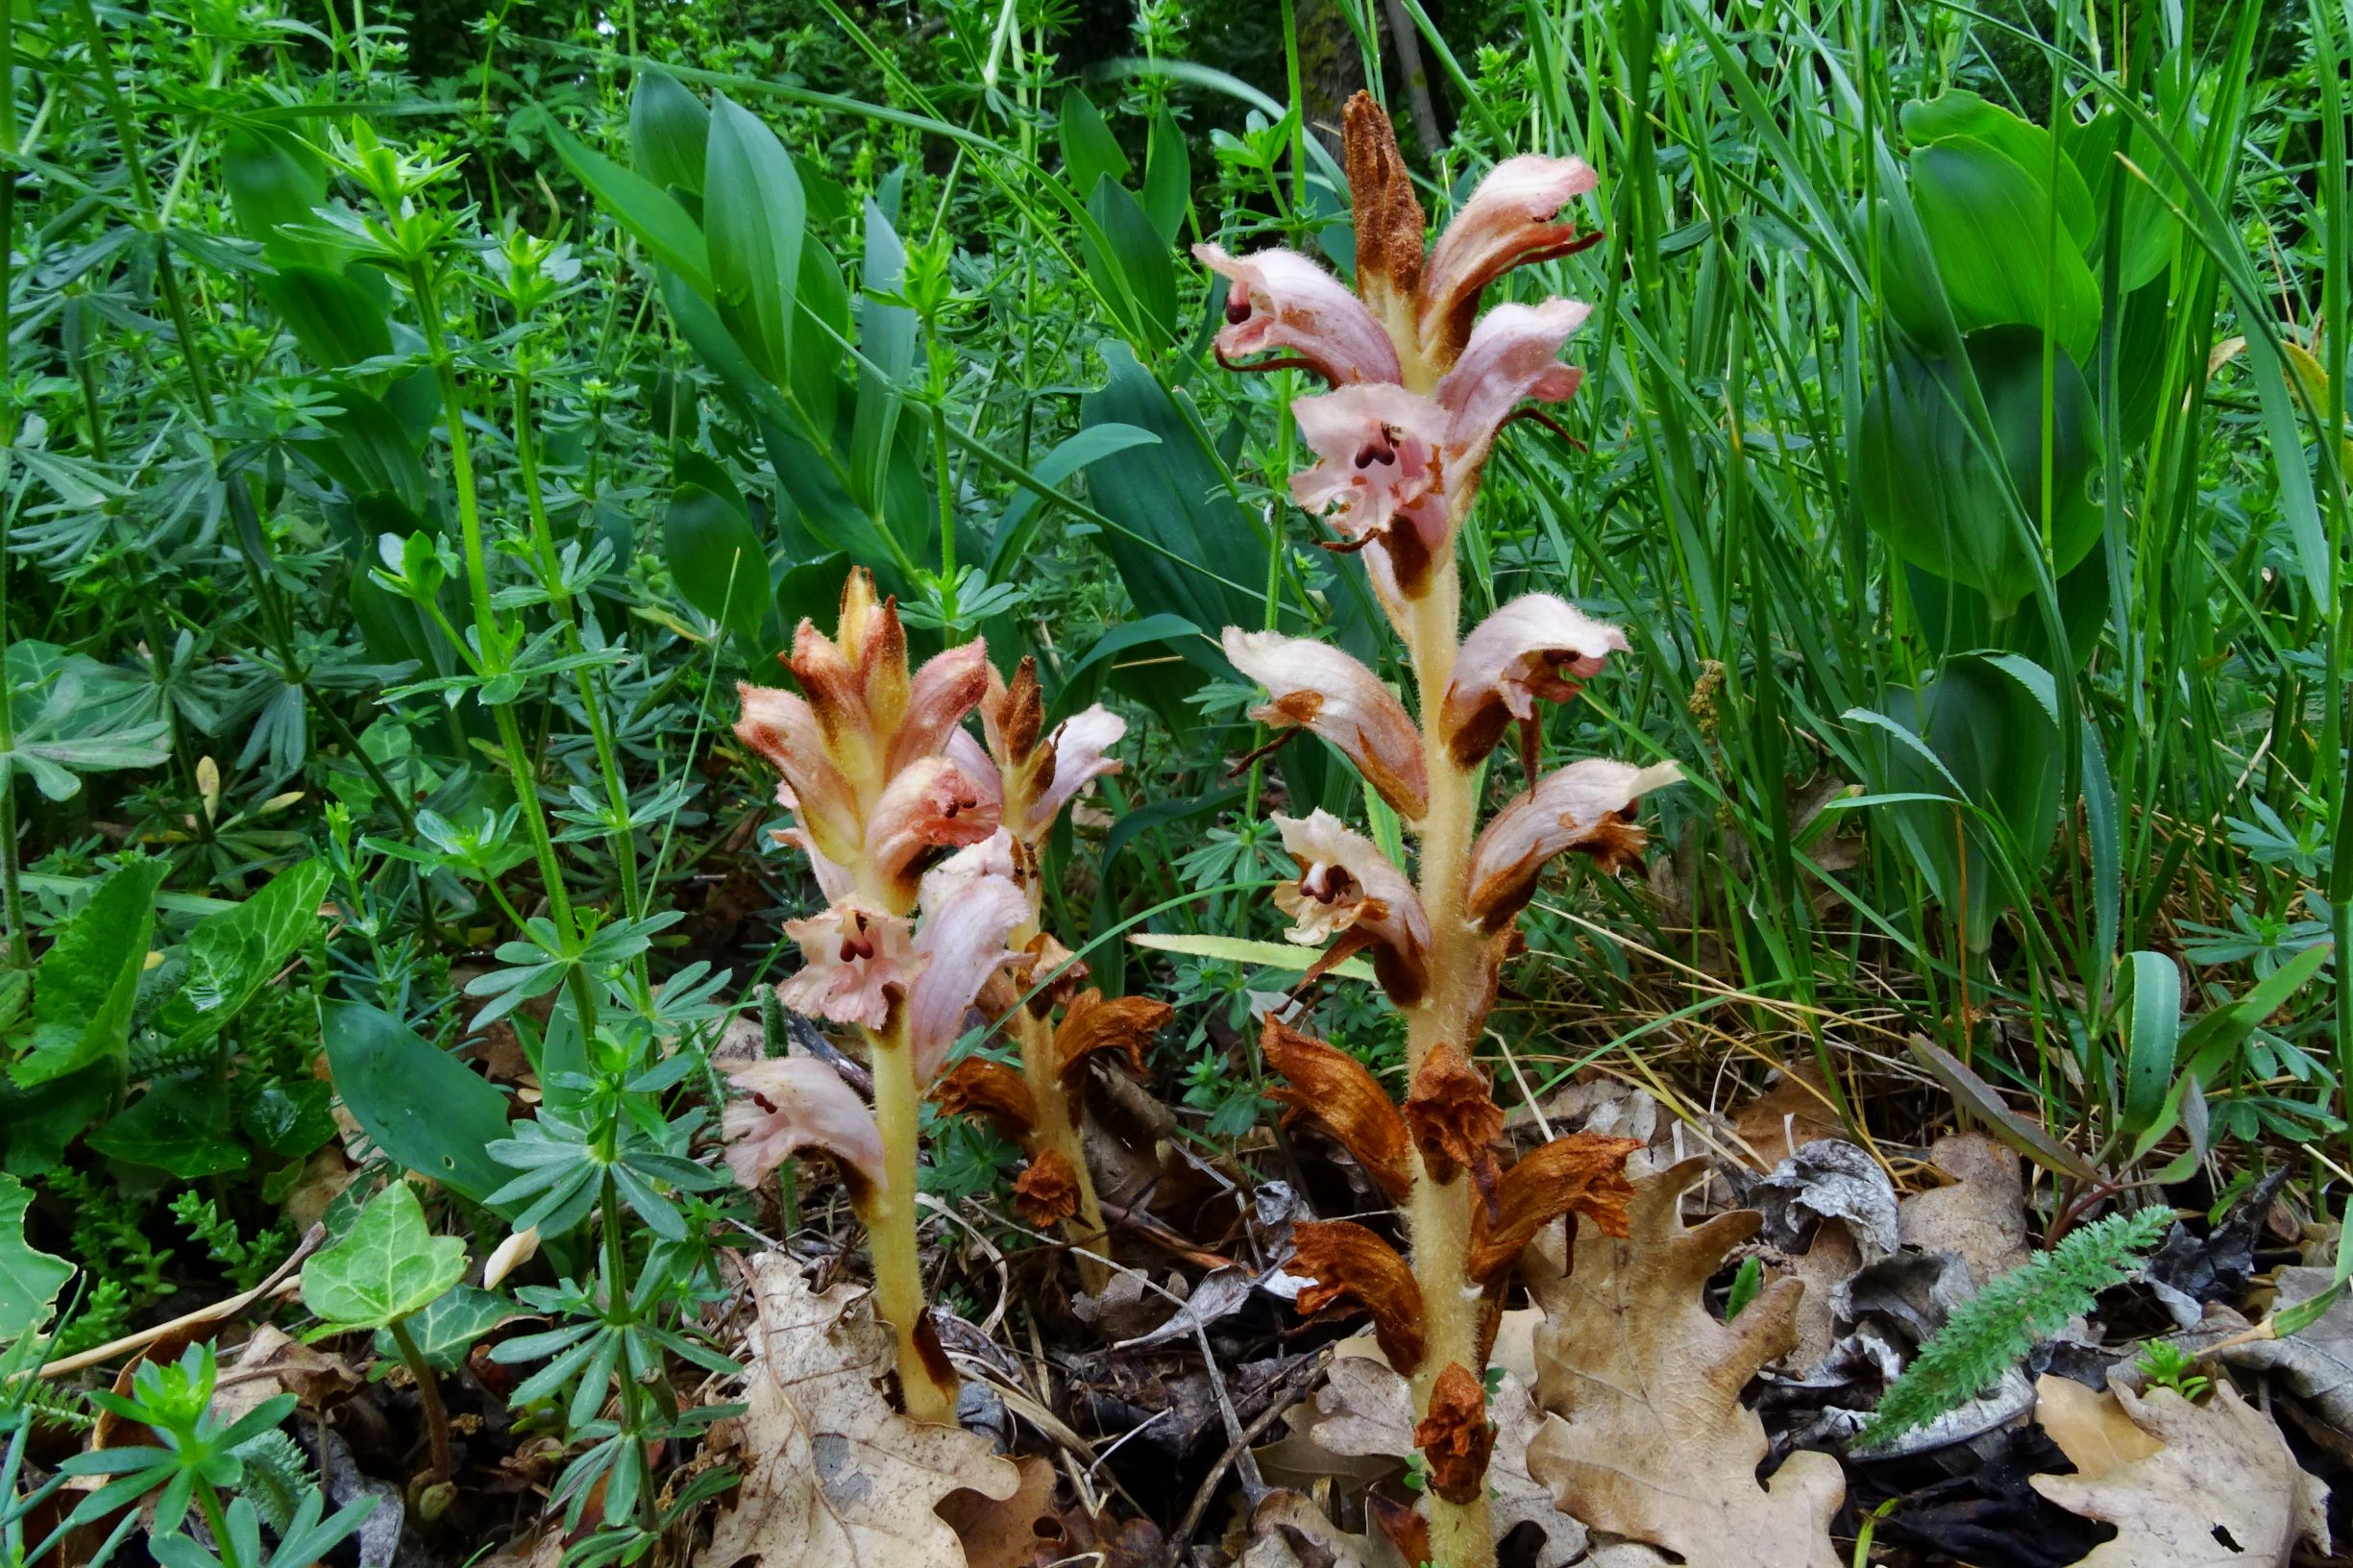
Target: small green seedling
{"x":2167,"y":1365}
{"x":388,"y":1268}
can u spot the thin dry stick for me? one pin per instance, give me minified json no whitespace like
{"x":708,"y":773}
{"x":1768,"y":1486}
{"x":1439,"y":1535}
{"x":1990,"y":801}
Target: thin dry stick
{"x":278,"y":1285}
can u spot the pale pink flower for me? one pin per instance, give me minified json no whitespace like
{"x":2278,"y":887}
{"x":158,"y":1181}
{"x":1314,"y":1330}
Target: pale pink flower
{"x":857,"y":963}
{"x":1512,"y":358}
{"x":1078,"y":753}
{"x":782,"y":728}
{"x":797,"y":1103}
{"x":1348,"y":888}
{"x":1281,"y":300}
{"x":1588,"y":806}
{"x":948,"y":687}
{"x":1380,"y":475}
{"x":1535,"y":649}
{"x":1315,"y":686}
{"x":961,"y":944}
{"x":1506,"y":224}
{"x":931,"y":803}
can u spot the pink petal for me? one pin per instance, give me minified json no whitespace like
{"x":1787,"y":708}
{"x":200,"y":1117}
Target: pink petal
{"x":992,"y":856}
{"x":1281,"y":300}
{"x":1378,"y":448}
{"x":931,"y":803}
{"x":857,"y":962}
{"x":1316,"y":686}
{"x":1347,"y":884}
{"x":1079,"y":751}
{"x":961,"y":944}
{"x":1513,"y":357}
{"x":798,"y":1103}
{"x":1534,"y":647}
{"x":1587,"y":805}
{"x":783,"y":730}
{"x":948,"y":686}
{"x":1506,"y":224}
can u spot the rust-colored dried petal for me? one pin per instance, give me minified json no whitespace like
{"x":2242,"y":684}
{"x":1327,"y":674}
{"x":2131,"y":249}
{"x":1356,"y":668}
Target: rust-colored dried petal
{"x":1121,"y":1025}
{"x":1055,"y":971}
{"x":1350,"y":1264}
{"x":977,"y":1086}
{"x":1455,"y":1437}
{"x":1581,"y":1174}
{"x":1454,"y":1120}
{"x":1388,"y":217}
{"x":1407,"y":1530}
{"x":1013,"y":714}
{"x":1047,"y":1192}
{"x":1334,"y":1089}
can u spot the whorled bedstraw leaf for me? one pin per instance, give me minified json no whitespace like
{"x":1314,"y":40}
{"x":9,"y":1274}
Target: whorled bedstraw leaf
{"x":388,"y":1267}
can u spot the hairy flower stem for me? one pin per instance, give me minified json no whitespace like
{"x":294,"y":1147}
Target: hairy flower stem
{"x":1438,"y":1214}
{"x":926,"y":1381}
{"x":1057,"y":1130}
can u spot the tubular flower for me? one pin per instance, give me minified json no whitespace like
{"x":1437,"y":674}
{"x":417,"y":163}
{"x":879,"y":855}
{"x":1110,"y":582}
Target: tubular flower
{"x":800,"y":1103}
{"x":1347,"y":888}
{"x":1456,"y":1436}
{"x":1316,"y":687}
{"x":1281,"y":300}
{"x":1349,"y":1263}
{"x":1453,"y":1118}
{"x":857,"y":963}
{"x":961,"y":943}
{"x":1335,"y":1090}
{"x":1535,"y":649}
{"x":1588,"y":806}
{"x":1121,"y":1026}
{"x":1043,"y":774}
{"x":976,"y":1087}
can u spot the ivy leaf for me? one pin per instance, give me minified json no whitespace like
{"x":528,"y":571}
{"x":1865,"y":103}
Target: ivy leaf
{"x":449,"y":1326}
{"x":28,"y":1279}
{"x":390,"y":1266}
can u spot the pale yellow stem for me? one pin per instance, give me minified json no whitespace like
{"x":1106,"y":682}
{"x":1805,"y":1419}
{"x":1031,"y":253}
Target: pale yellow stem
{"x":1438,"y":1214}
{"x":1057,"y":1130}
{"x":926,"y":1381}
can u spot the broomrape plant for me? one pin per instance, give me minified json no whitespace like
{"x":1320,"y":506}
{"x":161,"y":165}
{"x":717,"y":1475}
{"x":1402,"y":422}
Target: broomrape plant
{"x":881,"y":777}
{"x":1421,"y":384}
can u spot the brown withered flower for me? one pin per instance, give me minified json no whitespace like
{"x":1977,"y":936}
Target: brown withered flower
{"x":1122,"y":1025}
{"x":1582,"y":1174}
{"x":977,"y":1086}
{"x":1335,"y":1090}
{"x":1454,"y":1120}
{"x":1349,"y":1265}
{"x":1046,"y":1193}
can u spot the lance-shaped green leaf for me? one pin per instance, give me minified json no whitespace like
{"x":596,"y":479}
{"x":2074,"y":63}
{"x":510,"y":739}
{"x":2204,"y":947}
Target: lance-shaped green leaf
{"x":88,"y":981}
{"x":388,"y":1268}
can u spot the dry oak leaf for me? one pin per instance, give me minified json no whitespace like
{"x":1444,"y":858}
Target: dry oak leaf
{"x":2090,"y":1426}
{"x":835,"y":1477}
{"x":1648,"y":1438}
{"x":2224,"y":1489}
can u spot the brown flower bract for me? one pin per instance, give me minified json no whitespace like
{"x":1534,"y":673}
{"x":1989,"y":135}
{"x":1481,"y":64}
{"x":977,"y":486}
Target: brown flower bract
{"x":1047,"y":1192}
{"x":1334,"y":1089}
{"x":1349,"y":1262}
{"x":1121,"y":1025}
{"x":977,"y":1086}
{"x":1454,"y":1120}
{"x":1456,"y":1437}
{"x":1388,"y":217}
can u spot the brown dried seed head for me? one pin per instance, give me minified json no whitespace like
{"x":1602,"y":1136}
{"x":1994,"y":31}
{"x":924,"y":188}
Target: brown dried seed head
{"x":1334,"y":1089}
{"x":1046,"y":1193}
{"x":1454,"y":1120}
{"x":1350,"y":1264}
{"x":976,"y":1087}
{"x":1581,"y":1174}
{"x":1122,"y":1024}
{"x":1455,"y":1437}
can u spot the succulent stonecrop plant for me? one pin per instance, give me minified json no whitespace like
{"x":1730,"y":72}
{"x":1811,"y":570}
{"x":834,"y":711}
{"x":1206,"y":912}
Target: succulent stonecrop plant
{"x":925,"y":845}
{"x":1420,"y":385}
{"x":1040,"y":773}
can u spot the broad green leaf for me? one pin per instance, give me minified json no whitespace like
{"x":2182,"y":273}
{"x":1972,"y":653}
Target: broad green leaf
{"x":232,"y":955}
{"x":1136,"y":268}
{"x":715,"y":559}
{"x":447,"y":1327}
{"x":1018,"y":526}
{"x":290,"y":1119}
{"x":1969,"y":513}
{"x":387,"y":1266}
{"x":1167,"y":177}
{"x":754,"y":216}
{"x":275,"y":180}
{"x":368,"y":451}
{"x":1090,"y":152}
{"x":180,"y":1125}
{"x":1267,"y":955}
{"x":669,"y":131}
{"x":338,"y":322}
{"x":30,"y":1280}
{"x":639,"y":206}
{"x":420,"y":1105}
{"x":2152,"y":1030}
{"x":85,"y":985}
{"x":886,"y":347}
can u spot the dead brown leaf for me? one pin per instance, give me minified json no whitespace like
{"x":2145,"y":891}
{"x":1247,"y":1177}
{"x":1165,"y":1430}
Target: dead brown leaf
{"x":1981,"y":1214}
{"x":1795,"y":1111}
{"x":1018,"y":1531}
{"x":1647,"y":1437}
{"x":273,"y":1364}
{"x":834,"y":1475}
{"x":2221,"y":1489}
{"x":2090,"y":1426}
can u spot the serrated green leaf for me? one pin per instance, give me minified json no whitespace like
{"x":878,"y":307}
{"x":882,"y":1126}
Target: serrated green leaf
{"x":387,"y":1268}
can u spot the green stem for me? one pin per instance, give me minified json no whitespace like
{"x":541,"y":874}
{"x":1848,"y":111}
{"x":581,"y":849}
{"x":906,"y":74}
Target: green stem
{"x":429,"y":1394}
